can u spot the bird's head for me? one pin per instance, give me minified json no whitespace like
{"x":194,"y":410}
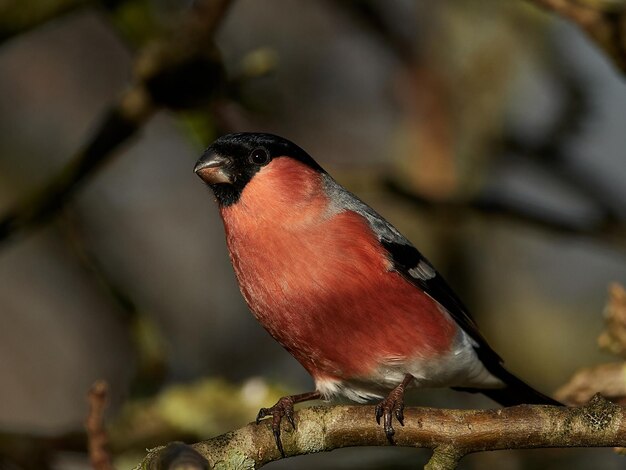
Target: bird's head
{"x":235,"y":160}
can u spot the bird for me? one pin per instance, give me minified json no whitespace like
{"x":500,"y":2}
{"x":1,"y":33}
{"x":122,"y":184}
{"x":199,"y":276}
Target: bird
{"x":341,"y":289}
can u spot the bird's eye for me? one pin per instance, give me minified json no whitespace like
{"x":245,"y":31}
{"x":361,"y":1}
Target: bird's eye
{"x":259,"y":157}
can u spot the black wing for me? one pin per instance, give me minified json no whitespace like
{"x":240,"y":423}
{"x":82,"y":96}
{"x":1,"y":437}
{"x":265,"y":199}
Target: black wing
{"x":416,"y":269}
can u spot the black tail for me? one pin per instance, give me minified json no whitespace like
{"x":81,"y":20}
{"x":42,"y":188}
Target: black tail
{"x":515,"y":392}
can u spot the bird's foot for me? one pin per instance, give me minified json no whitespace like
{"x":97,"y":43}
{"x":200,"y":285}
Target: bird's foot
{"x":386,"y":409}
{"x":282,"y":408}
{"x":392,"y":406}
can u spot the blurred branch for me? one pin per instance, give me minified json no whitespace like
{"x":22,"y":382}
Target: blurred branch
{"x":452,"y":434}
{"x":179,"y":72}
{"x":150,"y":361}
{"x":613,"y":338}
{"x":607,"y":379}
{"x":612,"y":232}
{"x":550,"y":152}
{"x":604,"y":21}
{"x":17,"y":16}
{"x":97,"y":438}
{"x":368,"y":14}
{"x":180,"y":456}
{"x":118,"y":124}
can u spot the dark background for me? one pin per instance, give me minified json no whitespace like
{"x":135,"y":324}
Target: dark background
{"x":491,"y":133}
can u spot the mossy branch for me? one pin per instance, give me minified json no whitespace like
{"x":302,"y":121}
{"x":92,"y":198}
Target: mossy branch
{"x":451,"y":434}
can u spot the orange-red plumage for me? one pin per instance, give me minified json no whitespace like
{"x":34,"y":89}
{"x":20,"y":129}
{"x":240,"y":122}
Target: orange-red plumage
{"x":305,"y":272}
{"x":340,"y":288}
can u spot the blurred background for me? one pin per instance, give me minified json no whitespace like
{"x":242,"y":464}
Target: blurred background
{"x":491,"y":133}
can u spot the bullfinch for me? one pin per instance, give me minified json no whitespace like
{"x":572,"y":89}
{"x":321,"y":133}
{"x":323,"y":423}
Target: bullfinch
{"x":340,"y":288}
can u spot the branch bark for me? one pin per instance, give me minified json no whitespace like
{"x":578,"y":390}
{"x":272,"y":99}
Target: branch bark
{"x":451,"y":434}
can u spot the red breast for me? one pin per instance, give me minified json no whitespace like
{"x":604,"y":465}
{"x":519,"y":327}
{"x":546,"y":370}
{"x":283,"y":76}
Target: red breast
{"x":320,"y":282}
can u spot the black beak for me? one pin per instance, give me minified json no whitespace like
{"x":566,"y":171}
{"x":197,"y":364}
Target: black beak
{"x":212,"y":168}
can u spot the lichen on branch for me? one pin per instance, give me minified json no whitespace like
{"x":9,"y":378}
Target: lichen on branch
{"x":452,"y":434}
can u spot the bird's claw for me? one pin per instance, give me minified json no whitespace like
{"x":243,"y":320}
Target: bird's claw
{"x":283,"y":407}
{"x":399,"y":412}
{"x":263,"y":412}
{"x":386,"y":409}
{"x":379,"y":412}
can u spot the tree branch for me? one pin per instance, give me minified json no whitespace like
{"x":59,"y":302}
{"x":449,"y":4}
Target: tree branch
{"x":97,"y":438}
{"x":444,"y":457}
{"x":612,"y":232}
{"x":118,"y":125}
{"x":180,"y":72}
{"x":452,"y":434}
